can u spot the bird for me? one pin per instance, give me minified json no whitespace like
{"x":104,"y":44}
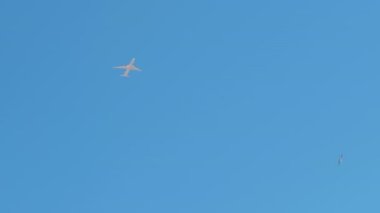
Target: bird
{"x":340,"y":159}
{"x":129,"y":67}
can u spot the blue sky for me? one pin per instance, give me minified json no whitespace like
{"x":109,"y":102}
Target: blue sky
{"x":242,"y":106}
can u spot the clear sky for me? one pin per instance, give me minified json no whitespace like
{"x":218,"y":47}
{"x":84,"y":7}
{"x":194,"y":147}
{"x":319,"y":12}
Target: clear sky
{"x":242,"y":106}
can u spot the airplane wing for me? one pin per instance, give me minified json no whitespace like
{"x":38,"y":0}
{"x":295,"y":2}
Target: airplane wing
{"x":340,"y":160}
{"x":125,"y":74}
{"x":132,"y":61}
{"x":135,"y":68}
{"x":119,"y":67}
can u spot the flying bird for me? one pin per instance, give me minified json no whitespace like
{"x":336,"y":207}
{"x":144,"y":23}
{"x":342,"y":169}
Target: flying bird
{"x":340,"y":159}
{"x":129,"y":67}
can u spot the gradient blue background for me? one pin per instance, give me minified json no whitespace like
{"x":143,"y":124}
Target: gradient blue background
{"x":242,"y":106}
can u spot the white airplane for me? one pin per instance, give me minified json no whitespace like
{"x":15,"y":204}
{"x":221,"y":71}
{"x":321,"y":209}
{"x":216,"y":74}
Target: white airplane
{"x":340,"y":159}
{"x":129,"y":67}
